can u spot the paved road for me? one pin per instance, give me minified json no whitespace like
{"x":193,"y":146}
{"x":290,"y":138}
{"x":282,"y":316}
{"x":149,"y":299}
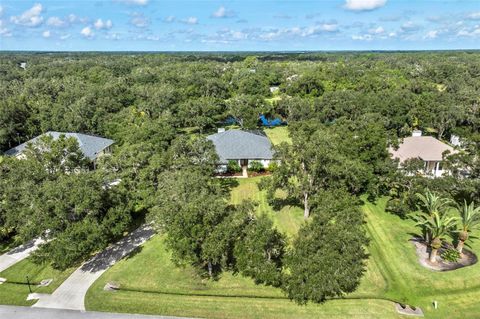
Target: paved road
{"x":11,"y":312}
{"x":17,"y":254}
{"x":71,"y":293}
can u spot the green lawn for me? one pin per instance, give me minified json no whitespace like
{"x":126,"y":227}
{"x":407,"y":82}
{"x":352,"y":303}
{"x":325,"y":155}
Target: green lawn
{"x":278,"y":134}
{"x":288,"y":219}
{"x":457,"y":292}
{"x":15,"y":290}
{"x":152,"y":284}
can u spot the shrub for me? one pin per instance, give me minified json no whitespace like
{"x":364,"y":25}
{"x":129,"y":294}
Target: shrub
{"x":398,"y":207}
{"x":451,"y":255}
{"x":272,"y":166}
{"x":256,"y":166}
{"x":233,"y":167}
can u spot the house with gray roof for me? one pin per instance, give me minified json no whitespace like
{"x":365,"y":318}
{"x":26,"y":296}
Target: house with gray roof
{"x":91,"y":146}
{"x":243,"y":147}
{"x":426,"y":148}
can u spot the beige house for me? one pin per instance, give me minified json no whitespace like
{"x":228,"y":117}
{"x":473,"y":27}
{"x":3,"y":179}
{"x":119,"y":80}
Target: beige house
{"x":427,"y":148}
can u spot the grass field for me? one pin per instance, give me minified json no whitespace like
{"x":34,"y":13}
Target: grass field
{"x":278,"y":134}
{"x":152,"y":284}
{"x":15,"y":290}
{"x":288,"y":219}
{"x":457,"y":292}
{"x":169,"y":290}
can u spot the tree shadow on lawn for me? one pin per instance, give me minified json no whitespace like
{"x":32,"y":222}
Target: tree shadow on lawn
{"x":134,"y":253}
{"x":278,"y":203}
{"x":227,"y":184}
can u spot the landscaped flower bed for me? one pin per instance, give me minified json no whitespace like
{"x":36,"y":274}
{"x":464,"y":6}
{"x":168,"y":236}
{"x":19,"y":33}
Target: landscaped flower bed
{"x":467,"y":258}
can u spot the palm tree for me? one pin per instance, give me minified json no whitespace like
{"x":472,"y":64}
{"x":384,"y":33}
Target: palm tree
{"x":431,"y":203}
{"x":437,"y":225}
{"x":469,"y":219}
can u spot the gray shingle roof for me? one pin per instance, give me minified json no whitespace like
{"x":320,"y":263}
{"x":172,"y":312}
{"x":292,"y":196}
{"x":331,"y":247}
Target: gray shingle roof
{"x":90,"y":145}
{"x":238,"y":144}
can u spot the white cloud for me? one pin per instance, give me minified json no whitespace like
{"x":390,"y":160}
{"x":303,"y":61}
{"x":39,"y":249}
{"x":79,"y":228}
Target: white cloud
{"x":72,"y":18}
{"x":365,"y":37}
{"x":225,"y":36}
{"x":410,"y":26}
{"x":431,"y":34}
{"x":472,"y":32}
{"x":113,"y":36}
{"x":328,"y":27}
{"x":56,"y":22}
{"x":87,"y":32}
{"x":4,"y":32}
{"x":223,"y":12}
{"x":474,"y":16}
{"x":46,"y":34}
{"x":364,"y":5}
{"x":378,"y":30}
{"x":135,"y":2}
{"x":169,"y":19}
{"x":152,"y":37}
{"x":139,"y":20}
{"x":304,"y":32}
{"x":99,"y":24}
{"x":190,"y":20}
{"x":30,"y":18}
{"x":65,"y":36}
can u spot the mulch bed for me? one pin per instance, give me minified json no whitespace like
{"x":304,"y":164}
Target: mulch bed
{"x":467,"y":258}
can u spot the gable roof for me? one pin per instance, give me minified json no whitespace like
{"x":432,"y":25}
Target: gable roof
{"x":426,"y":148}
{"x":90,"y":145}
{"x":238,"y":144}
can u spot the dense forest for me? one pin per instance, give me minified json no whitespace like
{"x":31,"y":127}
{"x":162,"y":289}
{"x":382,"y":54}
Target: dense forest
{"x":343,"y":112}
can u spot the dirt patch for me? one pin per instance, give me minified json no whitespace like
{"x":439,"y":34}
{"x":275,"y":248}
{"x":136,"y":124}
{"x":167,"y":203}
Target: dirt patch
{"x":467,"y":258}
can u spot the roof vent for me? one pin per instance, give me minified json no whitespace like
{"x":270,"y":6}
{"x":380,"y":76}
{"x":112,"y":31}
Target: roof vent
{"x":221,"y":129}
{"x":417,"y":133}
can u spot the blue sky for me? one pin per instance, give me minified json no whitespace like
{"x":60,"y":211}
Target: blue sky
{"x":248,"y":25}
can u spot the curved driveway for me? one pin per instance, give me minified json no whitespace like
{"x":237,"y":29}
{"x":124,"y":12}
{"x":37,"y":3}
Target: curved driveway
{"x":71,"y":293}
{"x":17,"y":254}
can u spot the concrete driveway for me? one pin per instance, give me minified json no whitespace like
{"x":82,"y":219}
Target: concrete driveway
{"x":20,"y":253}
{"x":71,"y":293}
{"x":12,"y":312}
